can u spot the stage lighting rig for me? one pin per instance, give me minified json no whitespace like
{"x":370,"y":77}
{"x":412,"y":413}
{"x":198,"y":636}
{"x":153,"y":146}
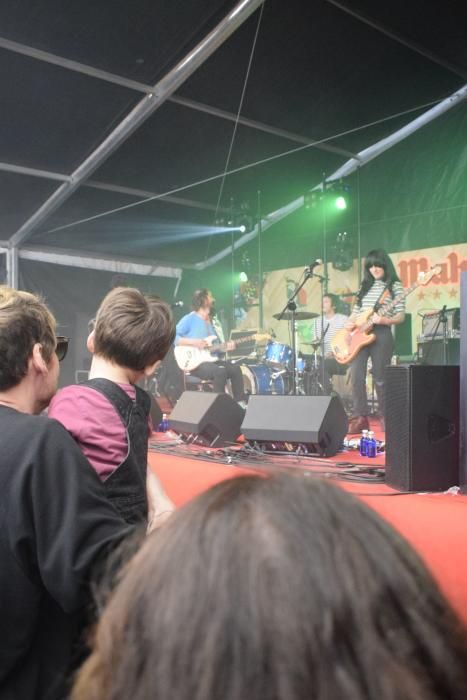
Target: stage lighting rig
{"x":335,"y":193}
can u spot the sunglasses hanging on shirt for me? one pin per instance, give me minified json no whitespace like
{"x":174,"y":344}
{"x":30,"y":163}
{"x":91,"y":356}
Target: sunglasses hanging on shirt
{"x":62,"y":347}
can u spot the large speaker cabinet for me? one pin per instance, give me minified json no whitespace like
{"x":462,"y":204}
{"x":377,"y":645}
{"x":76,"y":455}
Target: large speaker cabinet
{"x":463,"y":373}
{"x":213,"y":418}
{"x":318,"y":423}
{"x":422,"y":427}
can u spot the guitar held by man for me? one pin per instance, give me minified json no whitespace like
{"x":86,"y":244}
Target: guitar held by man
{"x":189,"y":357}
{"x":193,"y":342}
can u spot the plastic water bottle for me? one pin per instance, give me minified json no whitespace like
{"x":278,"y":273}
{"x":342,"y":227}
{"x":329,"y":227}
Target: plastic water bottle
{"x":371,"y":445}
{"x":364,"y":443}
{"x":164,"y":424}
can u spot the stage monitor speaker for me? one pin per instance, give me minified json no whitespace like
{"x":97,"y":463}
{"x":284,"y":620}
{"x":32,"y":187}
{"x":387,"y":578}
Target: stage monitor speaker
{"x":422,"y":427}
{"x":213,"y":418}
{"x":283,"y":423}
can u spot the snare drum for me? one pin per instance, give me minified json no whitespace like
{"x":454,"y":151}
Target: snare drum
{"x":261,"y":379}
{"x":277,"y":354}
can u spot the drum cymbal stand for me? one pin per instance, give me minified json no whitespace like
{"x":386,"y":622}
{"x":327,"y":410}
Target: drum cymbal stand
{"x":292,"y":307}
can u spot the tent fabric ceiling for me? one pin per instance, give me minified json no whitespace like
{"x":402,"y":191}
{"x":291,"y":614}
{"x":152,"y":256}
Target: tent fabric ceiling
{"x":317,"y":72}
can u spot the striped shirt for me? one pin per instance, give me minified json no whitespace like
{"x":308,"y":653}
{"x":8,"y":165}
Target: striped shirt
{"x":375,"y":292}
{"x":331,"y":326}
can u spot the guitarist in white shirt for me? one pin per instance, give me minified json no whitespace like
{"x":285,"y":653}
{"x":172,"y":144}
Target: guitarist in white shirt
{"x":380,"y":284}
{"x":194,"y":330}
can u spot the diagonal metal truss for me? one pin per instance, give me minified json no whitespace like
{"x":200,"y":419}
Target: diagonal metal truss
{"x":397,"y":36}
{"x":40,"y":55}
{"x":163,"y":91}
{"x":144,"y":109}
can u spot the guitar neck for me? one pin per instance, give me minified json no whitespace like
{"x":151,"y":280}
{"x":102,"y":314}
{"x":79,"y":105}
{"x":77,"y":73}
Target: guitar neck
{"x":222,"y":347}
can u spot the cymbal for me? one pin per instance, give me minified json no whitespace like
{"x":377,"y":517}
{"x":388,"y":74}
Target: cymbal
{"x":299,"y":316}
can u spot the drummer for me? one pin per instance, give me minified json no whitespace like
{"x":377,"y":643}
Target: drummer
{"x":333,"y":322}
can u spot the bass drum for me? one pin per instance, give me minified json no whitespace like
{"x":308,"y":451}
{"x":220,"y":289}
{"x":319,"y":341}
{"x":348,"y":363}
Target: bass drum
{"x":261,"y":379}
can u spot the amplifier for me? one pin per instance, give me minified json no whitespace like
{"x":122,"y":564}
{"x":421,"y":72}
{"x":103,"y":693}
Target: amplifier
{"x":431,"y":326}
{"x":431,"y":351}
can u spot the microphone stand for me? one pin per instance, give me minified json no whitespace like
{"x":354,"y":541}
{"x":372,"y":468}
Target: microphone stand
{"x":442,"y":318}
{"x":322,"y":280}
{"x":292,"y":307}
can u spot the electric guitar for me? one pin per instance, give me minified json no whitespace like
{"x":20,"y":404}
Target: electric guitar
{"x":347,"y":344}
{"x":188,"y":357}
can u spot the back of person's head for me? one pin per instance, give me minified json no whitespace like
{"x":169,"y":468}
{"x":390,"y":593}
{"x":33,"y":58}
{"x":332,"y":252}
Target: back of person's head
{"x":277,"y":588}
{"x":132,"y":329}
{"x":24,"y":321}
{"x":200,"y":298}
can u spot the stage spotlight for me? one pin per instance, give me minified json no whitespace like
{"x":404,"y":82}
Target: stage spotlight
{"x":242,"y":228}
{"x":311,"y":199}
{"x":336,"y":195}
{"x":243,"y":277}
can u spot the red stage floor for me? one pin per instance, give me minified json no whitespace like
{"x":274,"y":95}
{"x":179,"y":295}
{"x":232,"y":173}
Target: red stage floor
{"x":435,"y":524}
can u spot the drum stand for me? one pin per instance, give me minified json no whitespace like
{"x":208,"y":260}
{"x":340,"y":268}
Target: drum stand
{"x":292,"y":307}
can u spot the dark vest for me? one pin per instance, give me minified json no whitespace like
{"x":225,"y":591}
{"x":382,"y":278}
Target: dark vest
{"x":126,"y":486}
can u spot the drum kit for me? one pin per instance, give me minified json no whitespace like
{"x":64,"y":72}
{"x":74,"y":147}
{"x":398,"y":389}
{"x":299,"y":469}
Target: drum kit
{"x":274,"y":373}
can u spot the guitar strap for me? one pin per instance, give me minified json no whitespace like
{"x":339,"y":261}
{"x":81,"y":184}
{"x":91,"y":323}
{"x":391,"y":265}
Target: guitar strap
{"x":381,"y":299}
{"x":218,"y":328}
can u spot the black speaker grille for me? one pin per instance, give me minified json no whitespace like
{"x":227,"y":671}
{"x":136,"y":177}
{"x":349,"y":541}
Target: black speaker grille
{"x":398,"y":425}
{"x":422,"y":427}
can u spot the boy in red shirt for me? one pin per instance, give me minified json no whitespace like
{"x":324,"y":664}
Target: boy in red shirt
{"x":108,"y":415}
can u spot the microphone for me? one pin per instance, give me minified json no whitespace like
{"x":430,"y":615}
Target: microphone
{"x":315,"y":263}
{"x":176,"y":304}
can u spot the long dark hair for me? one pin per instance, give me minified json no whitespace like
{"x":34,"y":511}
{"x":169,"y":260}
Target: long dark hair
{"x":380,"y":258}
{"x":276,"y":588}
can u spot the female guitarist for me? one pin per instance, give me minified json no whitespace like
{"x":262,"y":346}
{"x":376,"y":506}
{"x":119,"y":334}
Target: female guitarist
{"x":380,"y":285}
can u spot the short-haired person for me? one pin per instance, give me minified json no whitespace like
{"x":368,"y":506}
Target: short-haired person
{"x":333,"y":321}
{"x":108,"y":415}
{"x":279,"y":587}
{"x":56,"y":523}
{"x":380,"y":285}
{"x":193,"y":329}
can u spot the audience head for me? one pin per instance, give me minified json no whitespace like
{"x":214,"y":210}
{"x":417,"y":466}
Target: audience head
{"x":27,"y":332}
{"x":132,"y":329}
{"x":277,"y":588}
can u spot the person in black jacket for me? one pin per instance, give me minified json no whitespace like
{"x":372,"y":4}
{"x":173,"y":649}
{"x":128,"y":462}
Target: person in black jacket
{"x":56,"y":523}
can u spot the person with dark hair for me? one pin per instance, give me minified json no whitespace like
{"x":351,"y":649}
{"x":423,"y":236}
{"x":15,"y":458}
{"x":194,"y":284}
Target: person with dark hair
{"x":333,"y":321}
{"x":109,"y":415}
{"x":199,"y":330}
{"x":380,"y":286}
{"x":56,"y":523}
{"x":280,"y":587}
